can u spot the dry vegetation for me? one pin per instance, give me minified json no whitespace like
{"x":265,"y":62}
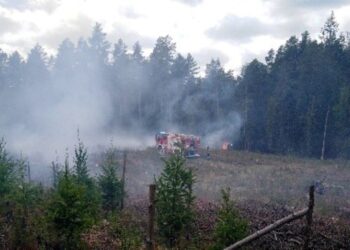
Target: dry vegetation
{"x":268,"y":179}
{"x":264,"y":187}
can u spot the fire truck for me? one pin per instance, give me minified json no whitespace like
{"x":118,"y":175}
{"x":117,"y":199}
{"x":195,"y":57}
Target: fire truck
{"x":170,"y":143}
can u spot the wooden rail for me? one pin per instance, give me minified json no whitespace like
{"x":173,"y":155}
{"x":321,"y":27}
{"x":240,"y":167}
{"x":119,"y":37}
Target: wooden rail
{"x":294,"y":216}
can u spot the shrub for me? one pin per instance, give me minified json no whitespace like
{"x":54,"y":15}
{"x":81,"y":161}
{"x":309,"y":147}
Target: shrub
{"x":118,"y":231}
{"x":230,"y":226}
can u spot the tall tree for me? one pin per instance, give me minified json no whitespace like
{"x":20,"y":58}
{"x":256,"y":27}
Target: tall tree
{"x":14,"y":70}
{"x":65,"y":63}
{"x":36,"y":71}
{"x":161,"y":60}
{"x":99,"y":45}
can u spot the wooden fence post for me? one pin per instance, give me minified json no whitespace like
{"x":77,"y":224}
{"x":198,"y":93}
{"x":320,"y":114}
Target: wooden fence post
{"x":308,"y":230}
{"x":151,"y":213}
{"x":123,"y":180}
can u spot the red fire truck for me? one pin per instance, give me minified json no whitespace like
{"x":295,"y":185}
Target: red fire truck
{"x":170,"y":143}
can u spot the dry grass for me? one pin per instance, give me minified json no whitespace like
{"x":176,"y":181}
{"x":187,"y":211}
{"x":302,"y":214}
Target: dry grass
{"x":265,"y":178}
{"x":265,"y":188}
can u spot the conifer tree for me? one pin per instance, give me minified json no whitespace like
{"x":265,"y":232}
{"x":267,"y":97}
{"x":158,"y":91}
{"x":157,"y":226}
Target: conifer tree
{"x":68,"y":211}
{"x":80,"y":163}
{"x":230,"y":226}
{"x":174,"y":200}
{"x":110,"y":184}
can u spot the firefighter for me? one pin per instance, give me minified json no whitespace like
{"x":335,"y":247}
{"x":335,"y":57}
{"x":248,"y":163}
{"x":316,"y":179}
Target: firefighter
{"x":191,"y":148}
{"x":208,"y":153}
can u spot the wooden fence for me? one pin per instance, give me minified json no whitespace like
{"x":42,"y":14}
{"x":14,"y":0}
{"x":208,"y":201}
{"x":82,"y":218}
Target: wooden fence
{"x":307,"y":212}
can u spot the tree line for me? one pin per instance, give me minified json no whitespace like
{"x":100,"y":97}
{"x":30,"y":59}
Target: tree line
{"x":296,"y":102}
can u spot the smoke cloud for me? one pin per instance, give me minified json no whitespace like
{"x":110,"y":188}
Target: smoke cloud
{"x":44,"y":103}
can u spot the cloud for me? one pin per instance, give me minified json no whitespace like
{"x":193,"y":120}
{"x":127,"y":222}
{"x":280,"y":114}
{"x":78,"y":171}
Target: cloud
{"x":130,"y":13}
{"x":190,"y":2}
{"x":8,"y":25}
{"x":81,"y":26}
{"x":249,"y":56}
{"x":45,"y":5}
{"x":48,"y":6}
{"x":244,"y":29}
{"x":130,"y":37}
{"x":309,"y":4}
{"x":238,"y":29}
{"x":14,"y":4}
{"x":204,"y":56}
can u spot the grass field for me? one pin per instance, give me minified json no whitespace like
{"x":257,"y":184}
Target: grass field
{"x":264,"y":178}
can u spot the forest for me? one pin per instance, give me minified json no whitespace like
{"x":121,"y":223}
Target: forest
{"x":296,"y":102}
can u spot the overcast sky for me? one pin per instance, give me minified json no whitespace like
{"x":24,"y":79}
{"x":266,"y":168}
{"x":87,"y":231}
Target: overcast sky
{"x":235,"y":31}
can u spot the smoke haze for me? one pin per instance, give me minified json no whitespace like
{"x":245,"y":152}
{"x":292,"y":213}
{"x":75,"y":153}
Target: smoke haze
{"x":110,"y":95}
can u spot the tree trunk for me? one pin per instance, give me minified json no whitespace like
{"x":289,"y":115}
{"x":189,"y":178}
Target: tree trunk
{"x":324,"y":134}
{"x":245,"y":117}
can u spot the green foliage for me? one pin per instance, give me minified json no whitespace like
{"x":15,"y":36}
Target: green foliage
{"x":68,"y":211}
{"x":230,"y":226}
{"x":110,"y":185}
{"x":20,"y":204}
{"x":8,"y":170}
{"x":128,"y":232}
{"x":175,"y":199}
{"x":80,"y":163}
{"x":27,"y":202}
{"x":82,"y":178}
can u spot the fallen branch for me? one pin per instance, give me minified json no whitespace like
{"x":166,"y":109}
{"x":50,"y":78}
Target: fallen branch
{"x":275,"y":225}
{"x":294,"y":216}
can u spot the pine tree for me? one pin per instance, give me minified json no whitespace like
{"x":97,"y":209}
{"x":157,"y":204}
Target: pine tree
{"x":80,"y":163}
{"x":68,"y":211}
{"x":329,"y":32}
{"x":99,"y":45}
{"x":82,"y":178}
{"x":175,"y":199}
{"x":110,"y":184}
{"x":36,"y":71}
{"x":230,"y":226}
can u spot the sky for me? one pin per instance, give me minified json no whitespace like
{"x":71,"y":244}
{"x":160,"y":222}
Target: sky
{"x":234,"y":31}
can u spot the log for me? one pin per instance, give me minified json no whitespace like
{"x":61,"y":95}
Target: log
{"x":269,"y":228}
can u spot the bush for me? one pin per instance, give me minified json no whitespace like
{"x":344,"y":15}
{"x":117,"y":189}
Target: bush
{"x":174,"y":204}
{"x":230,"y":226}
{"x":118,"y":231}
